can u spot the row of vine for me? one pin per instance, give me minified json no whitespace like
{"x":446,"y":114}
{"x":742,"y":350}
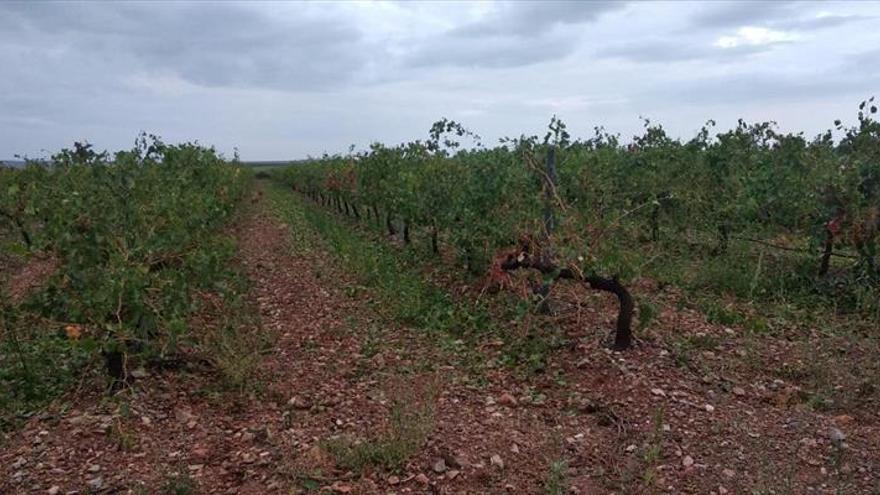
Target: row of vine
{"x":582,"y":209}
{"x":133,"y":237}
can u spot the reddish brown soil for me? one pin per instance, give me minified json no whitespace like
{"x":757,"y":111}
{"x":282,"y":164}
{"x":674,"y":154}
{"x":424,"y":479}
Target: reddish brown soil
{"x":25,"y":277}
{"x":633,"y":422}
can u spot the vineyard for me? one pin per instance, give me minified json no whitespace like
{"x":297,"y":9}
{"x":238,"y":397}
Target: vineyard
{"x":547,"y":315}
{"x":124,"y":242}
{"x":766,"y":217}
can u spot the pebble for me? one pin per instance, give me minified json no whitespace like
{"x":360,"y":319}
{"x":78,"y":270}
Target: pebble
{"x":340,"y":487}
{"x":55,"y":490}
{"x":421,"y":478}
{"x":393,"y":480}
{"x":687,"y":461}
{"x":507,"y":399}
{"x":139,"y":373}
{"x":843,"y":419}
{"x":299,"y":403}
{"x":739,"y":391}
{"x":96,"y":483}
{"x":457,"y":461}
{"x":836,"y":435}
{"x":497,"y":461}
{"x":710,"y":408}
{"x":439,"y":466}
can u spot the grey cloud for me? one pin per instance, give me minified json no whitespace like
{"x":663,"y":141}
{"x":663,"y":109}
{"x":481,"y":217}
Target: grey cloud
{"x":212,"y":45}
{"x":814,"y":23}
{"x":534,"y":19}
{"x":755,"y":87}
{"x":496,"y":52}
{"x":786,"y":15}
{"x":517,"y":34}
{"x":287,"y":79}
{"x":742,"y":13}
{"x":863,"y":63}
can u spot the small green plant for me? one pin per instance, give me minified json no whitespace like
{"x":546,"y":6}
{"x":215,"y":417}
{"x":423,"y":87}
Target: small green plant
{"x":125,"y":440}
{"x":38,"y":362}
{"x":684,"y":347}
{"x":411,"y":419}
{"x":178,"y":484}
{"x":653,"y":451}
{"x":648,"y":311}
{"x":555,"y":481}
{"x":373,"y":341}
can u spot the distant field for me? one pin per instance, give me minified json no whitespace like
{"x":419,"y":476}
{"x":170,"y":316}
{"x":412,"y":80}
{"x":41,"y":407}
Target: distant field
{"x":267,"y":165}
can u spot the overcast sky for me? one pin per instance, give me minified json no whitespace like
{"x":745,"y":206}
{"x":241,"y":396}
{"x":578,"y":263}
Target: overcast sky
{"x":284,"y":80}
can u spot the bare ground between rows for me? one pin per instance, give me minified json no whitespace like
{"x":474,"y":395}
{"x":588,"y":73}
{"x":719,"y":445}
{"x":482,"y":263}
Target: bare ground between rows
{"x":316,"y":385}
{"x":609,"y":423}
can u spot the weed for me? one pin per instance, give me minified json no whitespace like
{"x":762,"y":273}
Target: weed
{"x":648,"y":311}
{"x":554,"y":483}
{"x":653,"y":450}
{"x":125,"y":440}
{"x":233,"y":341}
{"x":310,"y":485}
{"x":372,"y":341}
{"x":178,"y":484}
{"x":683,"y":348}
{"x":235,"y":355}
{"x":37,"y":363}
{"x":721,"y":315}
{"x":411,"y":419}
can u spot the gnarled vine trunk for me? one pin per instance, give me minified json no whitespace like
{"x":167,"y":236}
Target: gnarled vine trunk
{"x":389,"y":224}
{"x":623,"y":334}
{"x":826,"y":254}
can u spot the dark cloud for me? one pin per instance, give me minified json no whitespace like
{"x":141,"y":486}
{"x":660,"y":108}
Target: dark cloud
{"x":493,"y":52}
{"x":818,"y":22}
{"x":220,"y":44}
{"x":778,"y":14}
{"x":535,"y":19}
{"x":282,"y":79}
{"x":516,"y":34}
{"x":742,"y":13}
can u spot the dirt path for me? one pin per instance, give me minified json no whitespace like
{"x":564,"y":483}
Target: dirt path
{"x":319,"y":382}
{"x":342,"y":393}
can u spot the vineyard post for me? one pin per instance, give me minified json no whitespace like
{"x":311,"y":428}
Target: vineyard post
{"x":549,"y":192}
{"x":543,"y":290}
